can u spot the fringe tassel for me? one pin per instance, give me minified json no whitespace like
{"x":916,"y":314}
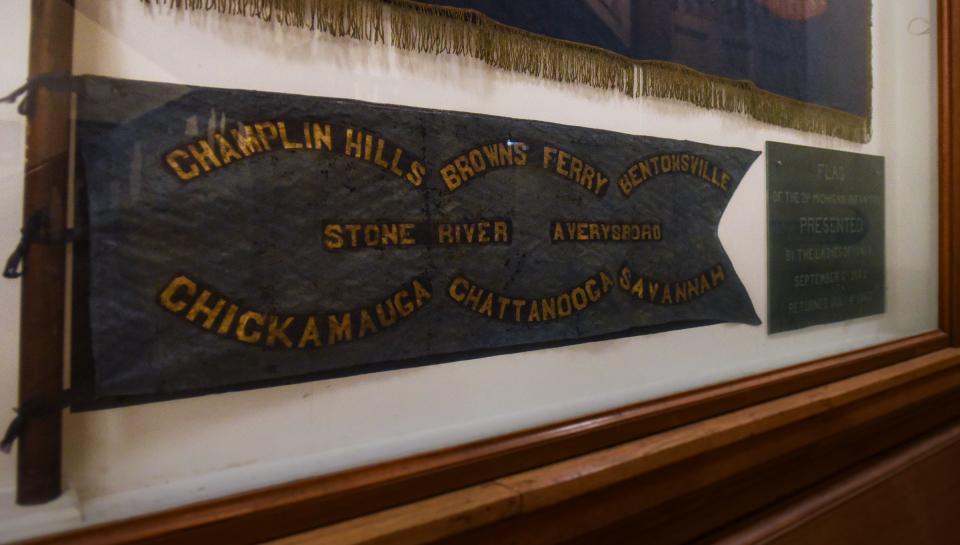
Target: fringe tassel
{"x":678,"y":82}
{"x":359,"y":19}
{"x":436,"y":29}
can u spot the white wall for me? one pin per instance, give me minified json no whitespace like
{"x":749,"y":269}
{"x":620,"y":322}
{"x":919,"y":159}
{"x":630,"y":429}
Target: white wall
{"x":14,"y":37}
{"x":128,"y":461}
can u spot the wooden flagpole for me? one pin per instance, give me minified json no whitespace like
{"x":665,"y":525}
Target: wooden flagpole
{"x":42,"y":297}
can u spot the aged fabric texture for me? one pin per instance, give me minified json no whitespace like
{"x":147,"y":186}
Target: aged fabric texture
{"x":802,"y":64}
{"x":240,"y":238}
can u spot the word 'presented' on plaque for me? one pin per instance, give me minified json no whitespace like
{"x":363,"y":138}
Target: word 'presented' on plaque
{"x":825,"y":235}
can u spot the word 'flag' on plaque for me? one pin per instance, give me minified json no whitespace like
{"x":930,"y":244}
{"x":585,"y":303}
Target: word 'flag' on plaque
{"x":238,"y":239}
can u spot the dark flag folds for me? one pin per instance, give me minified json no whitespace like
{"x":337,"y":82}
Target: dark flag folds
{"x":813,"y":51}
{"x":802,"y":64}
{"x":235,"y":239}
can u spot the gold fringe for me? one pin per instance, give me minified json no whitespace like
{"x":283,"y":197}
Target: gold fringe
{"x":360,"y":19}
{"x":436,"y":29}
{"x":674,"y":81}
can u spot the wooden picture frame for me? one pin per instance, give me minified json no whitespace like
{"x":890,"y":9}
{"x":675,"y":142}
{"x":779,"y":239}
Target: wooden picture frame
{"x":675,"y":468}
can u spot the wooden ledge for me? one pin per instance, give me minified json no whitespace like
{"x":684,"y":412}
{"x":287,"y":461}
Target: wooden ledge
{"x":891,"y":389}
{"x":260,"y":515}
{"x":924,"y":469}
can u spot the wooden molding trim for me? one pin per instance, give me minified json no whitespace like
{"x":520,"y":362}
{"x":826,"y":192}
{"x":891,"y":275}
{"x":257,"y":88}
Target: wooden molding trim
{"x":948,"y":41}
{"x":781,"y":520}
{"x":692,"y":498}
{"x":450,"y":514}
{"x":301,"y":505}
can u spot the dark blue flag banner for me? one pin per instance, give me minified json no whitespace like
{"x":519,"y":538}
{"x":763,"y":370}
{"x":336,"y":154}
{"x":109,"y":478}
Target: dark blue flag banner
{"x":802,"y":64}
{"x":236,"y":239}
